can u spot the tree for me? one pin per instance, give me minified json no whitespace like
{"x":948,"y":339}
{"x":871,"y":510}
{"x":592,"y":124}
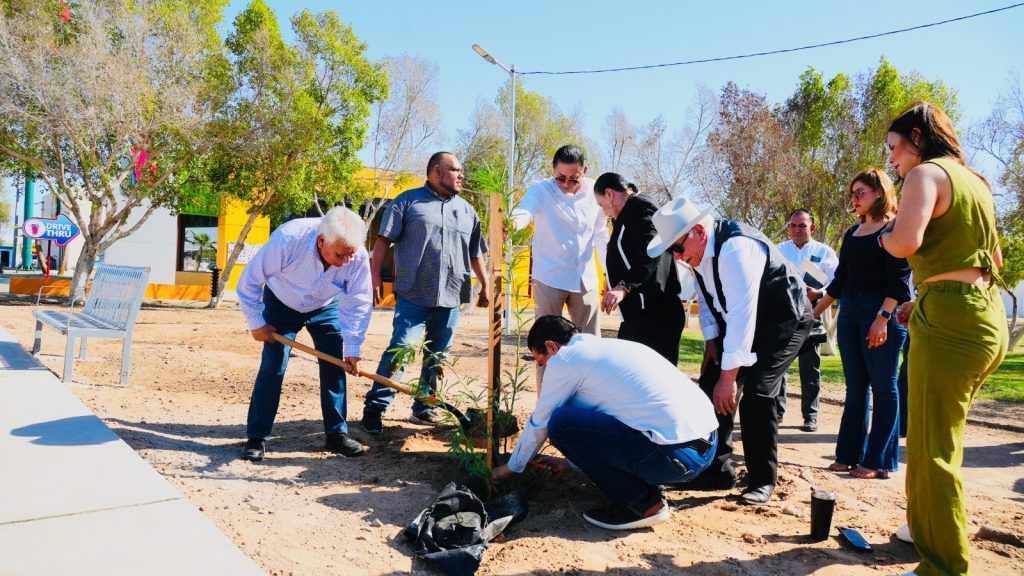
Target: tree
{"x":1011,"y":240}
{"x":5,"y":214}
{"x":297,"y":117}
{"x":1000,"y":137}
{"x":203,"y":243}
{"x":541,"y":129}
{"x":763,"y":161}
{"x":744,"y":168}
{"x":106,"y":106}
{"x":838,"y":127}
{"x":660,"y":160}
{"x":822,"y":119}
{"x":404,"y":126}
{"x":620,"y":137}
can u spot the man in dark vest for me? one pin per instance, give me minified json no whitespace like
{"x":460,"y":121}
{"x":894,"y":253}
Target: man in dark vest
{"x":755,"y":316}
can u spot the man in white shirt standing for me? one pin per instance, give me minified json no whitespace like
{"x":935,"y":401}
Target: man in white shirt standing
{"x":755,"y":316}
{"x":313,"y":273}
{"x":800,"y":248}
{"x":622,"y":414}
{"x":568,"y":226}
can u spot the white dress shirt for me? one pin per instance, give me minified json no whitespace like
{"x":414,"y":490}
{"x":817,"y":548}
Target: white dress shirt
{"x":625,"y":380}
{"x":290,"y":265}
{"x":821,"y":255}
{"x":740,"y":268}
{"x":568,"y":228}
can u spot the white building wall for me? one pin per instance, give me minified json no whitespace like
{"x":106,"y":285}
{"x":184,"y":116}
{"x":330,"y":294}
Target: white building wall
{"x":154,"y":244}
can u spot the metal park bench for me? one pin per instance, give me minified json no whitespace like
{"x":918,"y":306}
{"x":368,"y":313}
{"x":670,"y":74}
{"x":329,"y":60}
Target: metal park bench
{"x":109,"y":312}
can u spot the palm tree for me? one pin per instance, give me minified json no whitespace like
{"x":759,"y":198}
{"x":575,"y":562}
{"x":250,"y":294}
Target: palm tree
{"x":203,"y":241}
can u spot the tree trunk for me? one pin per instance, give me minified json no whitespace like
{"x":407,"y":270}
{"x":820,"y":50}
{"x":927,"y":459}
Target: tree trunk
{"x":83,"y":269}
{"x":232,"y":258}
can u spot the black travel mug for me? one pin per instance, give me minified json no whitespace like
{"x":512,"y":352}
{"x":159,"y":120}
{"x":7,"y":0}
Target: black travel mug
{"x":823,"y":504}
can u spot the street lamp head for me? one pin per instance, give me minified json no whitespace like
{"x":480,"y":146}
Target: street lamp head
{"x":484,"y":54}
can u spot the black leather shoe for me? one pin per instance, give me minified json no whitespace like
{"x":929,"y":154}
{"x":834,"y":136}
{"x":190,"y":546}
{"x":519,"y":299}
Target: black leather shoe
{"x":371,"y":423}
{"x":709,"y":481}
{"x":345,"y":445}
{"x":757,"y":495}
{"x":253,"y":450}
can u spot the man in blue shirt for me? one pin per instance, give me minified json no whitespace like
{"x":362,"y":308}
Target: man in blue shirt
{"x":438,"y":240}
{"x":313,"y":273}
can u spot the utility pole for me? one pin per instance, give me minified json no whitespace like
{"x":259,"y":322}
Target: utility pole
{"x":14,"y":233}
{"x":30,"y":200}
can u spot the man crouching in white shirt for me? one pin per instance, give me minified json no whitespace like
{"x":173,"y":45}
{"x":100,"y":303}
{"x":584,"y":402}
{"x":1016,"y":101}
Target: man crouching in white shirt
{"x":313,"y":273}
{"x":622,"y":414}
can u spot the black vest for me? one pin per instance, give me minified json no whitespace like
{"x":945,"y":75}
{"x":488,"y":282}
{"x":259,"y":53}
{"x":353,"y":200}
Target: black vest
{"x":782,"y":302}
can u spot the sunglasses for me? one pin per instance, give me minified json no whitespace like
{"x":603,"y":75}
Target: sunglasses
{"x":858,"y":194}
{"x":678,"y":247}
{"x":563,"y":180}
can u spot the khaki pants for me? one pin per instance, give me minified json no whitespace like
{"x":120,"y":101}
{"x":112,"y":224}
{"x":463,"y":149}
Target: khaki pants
{"x":583,"y":308}
{"x":959,"y":337}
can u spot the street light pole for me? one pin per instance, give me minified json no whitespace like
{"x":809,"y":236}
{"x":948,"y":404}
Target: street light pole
{"x":506,"y":324}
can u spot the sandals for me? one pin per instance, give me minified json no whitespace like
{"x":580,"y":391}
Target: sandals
{"x":868,"y":474}
{"x":840,"y":467}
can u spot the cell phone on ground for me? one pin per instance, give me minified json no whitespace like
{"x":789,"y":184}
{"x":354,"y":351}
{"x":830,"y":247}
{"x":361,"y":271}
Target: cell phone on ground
{"x":854,"y":539}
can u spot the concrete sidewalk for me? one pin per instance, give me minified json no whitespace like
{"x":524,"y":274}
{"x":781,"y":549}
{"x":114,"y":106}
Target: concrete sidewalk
{"x":75,"y":499}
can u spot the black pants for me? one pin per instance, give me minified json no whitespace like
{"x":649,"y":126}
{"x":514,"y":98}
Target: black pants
{"x":761,"y":405}
{"x":809,"y":360}
{"x":658,"y":327}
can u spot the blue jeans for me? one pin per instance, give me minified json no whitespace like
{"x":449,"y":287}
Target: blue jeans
{"x":325,"y":328}
{"x":623,"y":463}
{"x":870,"y":373}
{"x":411,"y":324}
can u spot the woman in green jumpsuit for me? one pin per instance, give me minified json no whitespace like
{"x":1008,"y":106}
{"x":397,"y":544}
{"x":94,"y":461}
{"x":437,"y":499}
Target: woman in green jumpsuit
{"x":946,"y":229}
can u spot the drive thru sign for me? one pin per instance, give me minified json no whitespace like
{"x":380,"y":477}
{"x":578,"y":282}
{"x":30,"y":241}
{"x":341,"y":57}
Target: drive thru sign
{"x":60,"y":229}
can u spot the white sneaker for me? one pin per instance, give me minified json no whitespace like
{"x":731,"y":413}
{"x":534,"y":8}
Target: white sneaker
{"x":620,"y":517}
{"x":903,"y":535}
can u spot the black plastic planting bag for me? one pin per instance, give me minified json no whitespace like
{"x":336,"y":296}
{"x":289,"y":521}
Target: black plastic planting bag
{"x":453,"y":532}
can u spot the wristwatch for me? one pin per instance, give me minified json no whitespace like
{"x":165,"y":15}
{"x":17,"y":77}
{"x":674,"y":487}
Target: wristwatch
{"x":885,"y":314}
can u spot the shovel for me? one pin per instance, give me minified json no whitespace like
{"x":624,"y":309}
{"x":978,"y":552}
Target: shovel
{"x":465,"y":422}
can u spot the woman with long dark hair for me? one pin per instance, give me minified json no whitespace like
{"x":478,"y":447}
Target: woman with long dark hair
{"x":645,"y":289}
{"x":871,"y":283}
{"x":946,"y":229}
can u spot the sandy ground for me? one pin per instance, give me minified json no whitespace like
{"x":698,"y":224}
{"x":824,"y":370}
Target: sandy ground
{"x":303,"y":511}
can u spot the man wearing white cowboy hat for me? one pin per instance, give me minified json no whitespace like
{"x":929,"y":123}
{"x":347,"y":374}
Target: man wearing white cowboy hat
{"x":755,"y":316}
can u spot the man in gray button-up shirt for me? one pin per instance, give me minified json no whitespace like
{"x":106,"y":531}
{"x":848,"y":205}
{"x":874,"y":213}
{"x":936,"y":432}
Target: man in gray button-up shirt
{"x":437,"y":241}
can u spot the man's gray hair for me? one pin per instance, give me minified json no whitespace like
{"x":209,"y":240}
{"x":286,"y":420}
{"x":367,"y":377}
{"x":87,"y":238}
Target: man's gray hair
{"x":340,"y":223}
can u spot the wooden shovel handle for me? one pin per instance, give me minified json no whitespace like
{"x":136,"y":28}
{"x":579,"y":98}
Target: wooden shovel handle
{"x":339,"y":362}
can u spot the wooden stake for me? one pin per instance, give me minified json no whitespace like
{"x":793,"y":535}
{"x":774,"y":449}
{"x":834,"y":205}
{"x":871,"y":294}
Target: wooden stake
{"x":496,"y":244}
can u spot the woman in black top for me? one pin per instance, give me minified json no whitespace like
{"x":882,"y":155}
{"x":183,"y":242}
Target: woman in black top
{"x":871,"y":284}
{"x":645,"y":289}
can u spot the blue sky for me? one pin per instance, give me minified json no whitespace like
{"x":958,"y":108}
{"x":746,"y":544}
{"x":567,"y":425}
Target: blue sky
{"x":974,"y":57}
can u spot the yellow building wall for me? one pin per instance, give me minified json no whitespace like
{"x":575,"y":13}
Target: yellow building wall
{"x":233,"y":216}
{"x":62,"y":287}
